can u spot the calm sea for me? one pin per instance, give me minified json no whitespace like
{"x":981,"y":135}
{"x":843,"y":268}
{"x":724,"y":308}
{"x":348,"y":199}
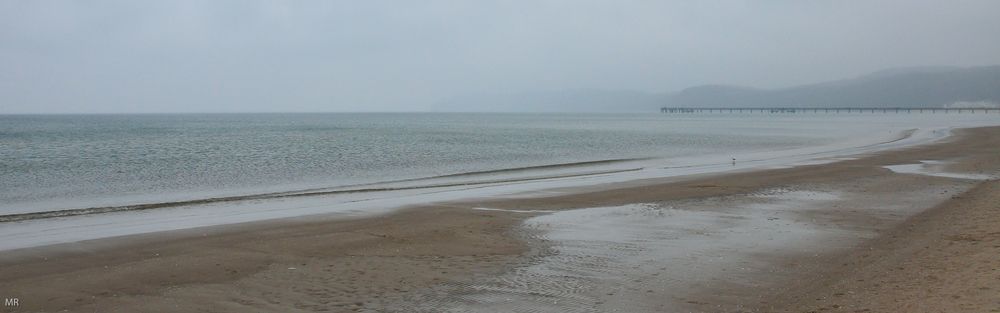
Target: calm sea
{"x":52,"y":162}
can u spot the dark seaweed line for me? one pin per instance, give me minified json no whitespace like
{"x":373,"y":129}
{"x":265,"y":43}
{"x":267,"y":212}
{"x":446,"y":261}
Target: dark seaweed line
{"x":149,"y":206}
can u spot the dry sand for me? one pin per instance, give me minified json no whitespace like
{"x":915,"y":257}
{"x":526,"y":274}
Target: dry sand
{"x":934,"y":254}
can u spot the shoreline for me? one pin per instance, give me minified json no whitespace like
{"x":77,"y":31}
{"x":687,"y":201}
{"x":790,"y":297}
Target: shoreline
{"x":378,"y":262}
{"x":45,"y":228}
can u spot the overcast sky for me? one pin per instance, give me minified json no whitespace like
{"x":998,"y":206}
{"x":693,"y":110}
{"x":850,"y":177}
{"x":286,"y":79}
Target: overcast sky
{"x":238,"y":56}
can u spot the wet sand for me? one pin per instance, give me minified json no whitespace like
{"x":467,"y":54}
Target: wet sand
{"x":946,"y":259}
{"x":848,"y":236}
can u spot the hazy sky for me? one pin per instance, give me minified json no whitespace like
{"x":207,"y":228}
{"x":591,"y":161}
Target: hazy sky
{"x":230,"y":56}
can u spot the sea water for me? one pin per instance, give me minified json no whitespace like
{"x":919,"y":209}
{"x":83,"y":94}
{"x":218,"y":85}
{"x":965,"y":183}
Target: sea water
{"x":57,"y":162}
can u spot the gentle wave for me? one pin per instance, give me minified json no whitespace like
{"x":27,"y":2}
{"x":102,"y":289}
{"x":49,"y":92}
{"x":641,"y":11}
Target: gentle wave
{"x":340,"y":190}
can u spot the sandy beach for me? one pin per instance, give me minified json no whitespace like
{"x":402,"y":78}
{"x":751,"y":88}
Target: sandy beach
{"x":911,"y":230}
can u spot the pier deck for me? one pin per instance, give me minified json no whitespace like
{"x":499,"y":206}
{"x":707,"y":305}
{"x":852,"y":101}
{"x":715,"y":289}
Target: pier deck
{"x":832,"y":110}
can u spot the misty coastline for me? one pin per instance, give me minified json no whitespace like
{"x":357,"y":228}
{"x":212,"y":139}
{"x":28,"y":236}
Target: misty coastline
{"x":910,"y":87}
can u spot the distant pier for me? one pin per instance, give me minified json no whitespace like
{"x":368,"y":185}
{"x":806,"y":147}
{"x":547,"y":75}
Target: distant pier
{"x":834,"y":110}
